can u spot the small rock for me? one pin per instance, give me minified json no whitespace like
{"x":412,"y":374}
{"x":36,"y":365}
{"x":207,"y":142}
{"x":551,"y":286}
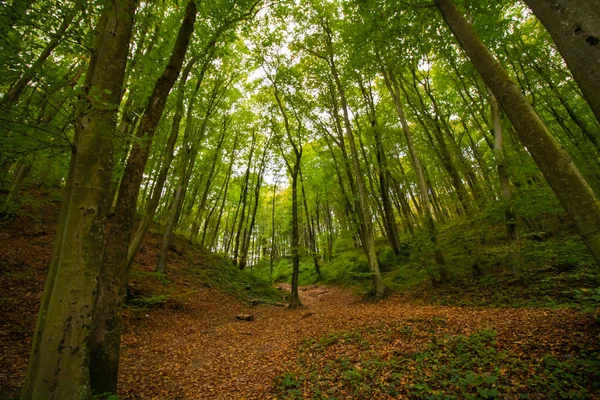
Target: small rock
{"x":245,"y":317}
{"x":280,"y":305}
{"x":256,"y":302}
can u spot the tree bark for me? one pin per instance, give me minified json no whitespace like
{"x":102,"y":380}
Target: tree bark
{"x":59,"y":363}
{"x":242,"y":203}
{"x":512,"y":233}
{"x":247,"y":236}
{"x":383,"y":173}
{"x":293,"y":170}
{"x":393,"y":88}
{"x":312,"y":241}
{"x":364,"y":213}
{"x":556,"y":165}
{"x":575,"y":27}
{"x":106,"y":338}
{"x":136,"y":243}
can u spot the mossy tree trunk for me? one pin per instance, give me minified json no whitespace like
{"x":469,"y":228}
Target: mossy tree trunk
{"x":554,"y":162}
{"x":59,"y":362}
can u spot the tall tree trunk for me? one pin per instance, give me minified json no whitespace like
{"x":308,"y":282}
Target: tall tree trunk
{"x":161,"y":267}
{"x":295,"y":298}
{"x":512,"y":232}
{"x":575,"y":27}
{"x":247,"y":236}
{"x":216,"y":231}
{"x":364,"y":213}
{"x":209,"y":181}
{"x":212,"y":210}
{"x":571,"y":188}
{"x":243,"y":200}
{"x":392,"y":84}
{"x":272,"y":255}
{"x":185,"y":167}
{"x":383,"y":172}
{"x":106,"y":337}
{"x":58,"y":365}
{"x":312,"y":241}
{"x":136,"y":243}
{"x":22,"y":170}
{"x":293,"y":169}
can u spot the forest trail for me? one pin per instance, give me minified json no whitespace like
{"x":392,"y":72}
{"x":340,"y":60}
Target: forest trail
{"x":203,"y":352}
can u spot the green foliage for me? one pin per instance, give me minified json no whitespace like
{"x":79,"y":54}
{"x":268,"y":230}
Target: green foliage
{"x":450,"y":367}
{"x":587,"y":299}
{"x":150,"y":302}
{"x":106,"y":396}
{"x":219,"y":272}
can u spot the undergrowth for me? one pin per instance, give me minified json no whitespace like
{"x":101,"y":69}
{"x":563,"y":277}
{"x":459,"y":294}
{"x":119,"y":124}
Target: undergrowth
{"x":451,"y":367}
{"x":557,"y":270}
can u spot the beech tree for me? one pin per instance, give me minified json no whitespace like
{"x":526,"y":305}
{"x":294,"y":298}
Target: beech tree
{"x":58,"y":367}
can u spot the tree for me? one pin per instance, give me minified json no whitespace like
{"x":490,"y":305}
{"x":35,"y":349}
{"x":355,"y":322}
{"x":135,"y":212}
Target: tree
{"x":58,"y":367}
{"x":105,"y":341}
{"x":575,"y":28}
{"x":570,"y":187}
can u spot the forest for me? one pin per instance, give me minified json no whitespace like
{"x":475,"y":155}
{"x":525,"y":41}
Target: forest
{"x":286,"y":199}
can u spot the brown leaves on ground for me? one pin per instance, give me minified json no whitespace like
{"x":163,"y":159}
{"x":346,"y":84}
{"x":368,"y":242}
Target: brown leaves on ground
{"x":203,"y":352}
{"x":25,"y":251}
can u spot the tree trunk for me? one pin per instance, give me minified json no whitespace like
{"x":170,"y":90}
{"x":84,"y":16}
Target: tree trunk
{"x":393,"y":88}
{"x":293,"y":170}
{"x":243,"y":198}
{"x":23,"y":169}
{"x":575,"y":27}
{"x":136,"y":243}
{"x":272,"y":255}
{"x":106,"y":337}
{"x":185,"y":166}
{"x":389,"y":220}
{"x":512,"y":232}
{"x":209,"y":180}
{"x":161,"y":267}
{"x":212,"y":210}
{"x":571,"y":188}
{"x":312,"y":241}
{"x":216,"y":232}
{"x":246,"y":242}
{"x":364,"y":212}
{"x":295,"y":298}
{"x":59,"y":362}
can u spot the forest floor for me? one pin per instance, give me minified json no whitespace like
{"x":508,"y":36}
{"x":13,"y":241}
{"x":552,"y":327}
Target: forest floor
{"x":339,"y":345}
{"x":202,"y":351}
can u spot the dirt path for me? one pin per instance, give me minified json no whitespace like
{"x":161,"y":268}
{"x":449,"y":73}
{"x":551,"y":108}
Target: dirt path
{"x":202,"y":352}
